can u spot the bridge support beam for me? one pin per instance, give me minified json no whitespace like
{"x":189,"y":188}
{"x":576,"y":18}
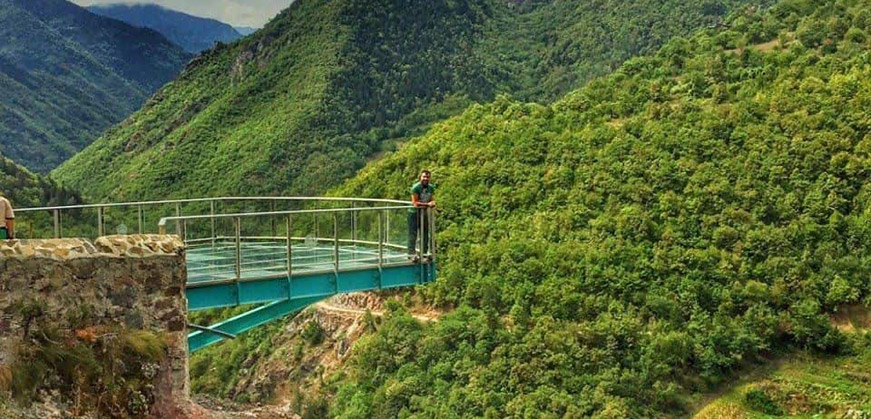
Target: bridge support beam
{"x":308,"y":289}
{"x":321,"y":284}
{"x":246,"y":321}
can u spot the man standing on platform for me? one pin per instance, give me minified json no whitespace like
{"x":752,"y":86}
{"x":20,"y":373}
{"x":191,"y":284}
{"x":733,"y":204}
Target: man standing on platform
{"x":418,"y":217}
{"x":7,"y":220}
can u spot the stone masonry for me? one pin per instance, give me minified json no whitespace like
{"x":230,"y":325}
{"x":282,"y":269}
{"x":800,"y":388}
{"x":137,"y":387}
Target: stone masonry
{"x":135,"y":281}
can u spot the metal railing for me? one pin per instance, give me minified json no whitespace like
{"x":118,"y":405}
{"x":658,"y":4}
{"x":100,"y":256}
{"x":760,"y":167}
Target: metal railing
{"x":141,"y":207}
{"x":274,"y":242}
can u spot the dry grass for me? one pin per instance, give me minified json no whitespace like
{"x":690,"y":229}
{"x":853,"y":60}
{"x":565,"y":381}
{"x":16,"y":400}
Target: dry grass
{"x":767,"y":46}
{"x":5,"y":378}
{"x":852,"y":318}
{"x":722,"y":410}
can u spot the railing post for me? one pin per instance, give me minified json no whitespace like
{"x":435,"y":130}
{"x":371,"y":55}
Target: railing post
{"x":212,"y":220}
{"x":336,"y":250}
{"x":99,"y":221}
{"x":272,"y":219}
{"x":432,"y":235}
{"x":381,"y":238}
{"x":317,"y":224}
{"x":289,"y":222}
{"x":238,"y":224}
{"x":178,"y":220}
{"x":387,"y":229}
{"x":354,"y":222}
{"x":140,"y":218}
{"x":289,"y":256}
{"x":420,"y":219}
{"x":57,"y":224}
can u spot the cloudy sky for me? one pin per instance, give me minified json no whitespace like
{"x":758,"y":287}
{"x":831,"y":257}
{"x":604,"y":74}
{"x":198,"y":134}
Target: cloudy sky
{"x":253,"y":13}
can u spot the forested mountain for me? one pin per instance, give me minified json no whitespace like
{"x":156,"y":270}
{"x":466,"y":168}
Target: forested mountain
{"x":67,"y":74}
{"x":192,"y":33}
{"x":697,"y":211}
{"x":303,"y":103}
{"x":25,"y":189}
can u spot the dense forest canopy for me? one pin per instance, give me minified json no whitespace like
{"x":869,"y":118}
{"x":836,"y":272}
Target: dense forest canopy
{"x":301,"y":105}
{"x":641,"y":239}
{"x":23,"y":188}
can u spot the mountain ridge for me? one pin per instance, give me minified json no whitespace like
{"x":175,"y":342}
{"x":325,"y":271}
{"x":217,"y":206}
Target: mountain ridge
{"x":278,"y":116}
{"x":63,"y":84}
{"x":193,"y":33}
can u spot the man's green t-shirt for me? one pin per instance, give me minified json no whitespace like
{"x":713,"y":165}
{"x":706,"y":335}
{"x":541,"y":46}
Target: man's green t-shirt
{"x":424,"y":193}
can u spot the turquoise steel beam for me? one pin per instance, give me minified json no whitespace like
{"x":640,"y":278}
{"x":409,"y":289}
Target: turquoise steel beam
{"x":247,"y":321}
{"x":308,"y":289}
{"x":232,"y":293}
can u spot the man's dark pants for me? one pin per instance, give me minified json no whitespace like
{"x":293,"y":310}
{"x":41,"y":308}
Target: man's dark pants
{"x":414,"y":219}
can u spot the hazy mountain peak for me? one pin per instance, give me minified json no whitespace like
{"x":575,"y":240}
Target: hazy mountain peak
{"x":192,"y":33}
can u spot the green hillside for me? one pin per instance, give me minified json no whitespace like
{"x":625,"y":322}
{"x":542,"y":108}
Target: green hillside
{"x":643,"y":239}
{"x":302,"y":104}
{"x":803,"y":386}
{"x":23,"y":188}
{"x":67,"y":74}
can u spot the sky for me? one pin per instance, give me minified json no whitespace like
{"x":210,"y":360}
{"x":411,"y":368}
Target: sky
{"x":254,"y":13}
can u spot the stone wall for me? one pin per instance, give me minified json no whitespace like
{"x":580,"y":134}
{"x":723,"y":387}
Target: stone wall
{"x":129,"y":281}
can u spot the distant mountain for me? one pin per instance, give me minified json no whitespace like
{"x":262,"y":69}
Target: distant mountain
{"x":245,"y":30}
{"x":66,"y":74}
{"x":192,"y":33}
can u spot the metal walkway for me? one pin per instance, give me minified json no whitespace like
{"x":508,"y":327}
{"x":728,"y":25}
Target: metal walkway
{"x":279,"y":253}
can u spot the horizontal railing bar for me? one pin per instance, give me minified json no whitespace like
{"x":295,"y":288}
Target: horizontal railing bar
{"x":223,"y":198}
{"x":252,"y":263}
{"x":255,"y":262}
{"x":322,"y":239}
{"x":165,"y":220}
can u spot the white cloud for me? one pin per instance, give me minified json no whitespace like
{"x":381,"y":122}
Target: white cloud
{"x":253,"y":13}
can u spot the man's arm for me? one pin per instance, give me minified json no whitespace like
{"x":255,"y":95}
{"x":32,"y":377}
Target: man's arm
{"x":415,"y":201}
{"x":10,"y":227}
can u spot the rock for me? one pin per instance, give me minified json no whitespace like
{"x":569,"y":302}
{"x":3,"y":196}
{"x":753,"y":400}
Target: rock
{"x":129,"y":281}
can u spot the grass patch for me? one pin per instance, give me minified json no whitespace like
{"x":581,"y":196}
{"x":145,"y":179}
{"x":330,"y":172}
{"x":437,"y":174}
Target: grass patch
{"x":805,"y":385}
{"x":104,"y":370}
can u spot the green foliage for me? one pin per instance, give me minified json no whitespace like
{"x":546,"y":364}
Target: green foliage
{"x":99,"y":369}
{"x":802,"y":385}
{"x":757,"y":399}
{"x":642,"y":238}
{"x":67,"y":74}
{"x":313,"y":333}
{"x":304,"y":103}
{"x":25,"y":189}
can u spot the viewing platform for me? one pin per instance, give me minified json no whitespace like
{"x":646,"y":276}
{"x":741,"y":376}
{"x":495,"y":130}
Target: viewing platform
{"x":277,"y":254}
